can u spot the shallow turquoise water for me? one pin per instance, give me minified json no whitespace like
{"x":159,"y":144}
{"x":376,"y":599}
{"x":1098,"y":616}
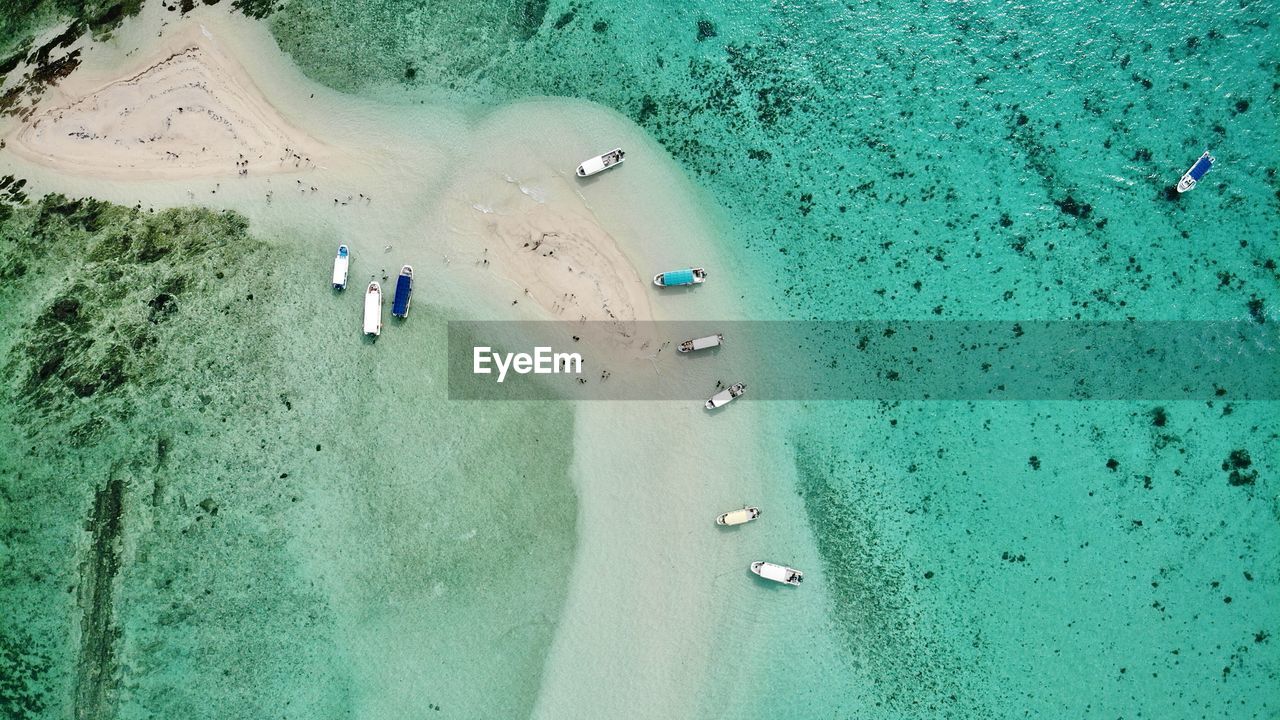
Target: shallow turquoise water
{"x":878,"y":160}
{"x":959,"y":160}
{"x":285,"y":515}
{"x":1012,"y":160}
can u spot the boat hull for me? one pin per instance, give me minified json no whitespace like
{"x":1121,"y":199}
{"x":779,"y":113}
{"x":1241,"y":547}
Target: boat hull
{"x":600,"y":163}
{"x":777,"y":573}
{"x":404,"y":293}
{"x":701,"y":343}
{"x":680,"y":278}
{"x":739,"y":517}
{"x":341,"y":264}
{"x":373,"y":310}
{"x":725,"y":396}
{"x":1197,"y":171}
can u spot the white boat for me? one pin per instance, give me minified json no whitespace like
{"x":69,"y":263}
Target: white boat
{"x":1197,"y":171}
{"x":373,"y":310}
{"x":600,"y":163}
{"x":726,"y":396}
{"x":777,"y":573}
{"x":701,"y":343}
{"x":738,"y":517}
{"x":676,"y":278}
{"x":340,"y":265}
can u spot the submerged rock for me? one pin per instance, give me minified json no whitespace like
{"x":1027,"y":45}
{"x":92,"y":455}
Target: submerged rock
{"x":1237,"y":467}
{"x":89,"y":341}
{"x":1070,"y":206}
{"x":96,"y":671}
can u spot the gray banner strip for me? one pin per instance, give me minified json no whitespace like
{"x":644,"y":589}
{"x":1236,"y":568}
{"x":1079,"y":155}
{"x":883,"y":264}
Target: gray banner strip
{"x":878,"y":360}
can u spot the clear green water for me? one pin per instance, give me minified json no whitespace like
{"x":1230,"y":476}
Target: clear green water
{"x":879,"y":160}
{"x":270,"y":552}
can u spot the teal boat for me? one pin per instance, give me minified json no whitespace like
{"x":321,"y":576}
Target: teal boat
{"x":676,"y":278}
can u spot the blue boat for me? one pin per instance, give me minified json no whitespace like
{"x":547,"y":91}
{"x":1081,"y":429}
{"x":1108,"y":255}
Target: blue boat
{"x":1196,"y":172}
{"x":404,"y":292}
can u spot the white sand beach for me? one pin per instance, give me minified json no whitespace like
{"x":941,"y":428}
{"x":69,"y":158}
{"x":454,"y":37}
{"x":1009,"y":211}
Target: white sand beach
{"x":182,"y":110}
{"x":489,"y":210}
{"x":181,"y":120}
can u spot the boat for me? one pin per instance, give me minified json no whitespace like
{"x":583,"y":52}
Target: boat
{"x":777,"y":573}
{"x":676,"y":278}
{"x":726,"y":396}
{"x":1196,"y":172}
{"x":404,"y":293}
{"x":373,"y":310}
{"x":738,"y":517}
{"x":701,"y":343}
{"x":600,"y":163}
{"x":340,"y":265}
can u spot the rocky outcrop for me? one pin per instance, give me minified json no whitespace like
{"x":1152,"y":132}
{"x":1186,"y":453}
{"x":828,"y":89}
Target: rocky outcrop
{"x":96,"y":671}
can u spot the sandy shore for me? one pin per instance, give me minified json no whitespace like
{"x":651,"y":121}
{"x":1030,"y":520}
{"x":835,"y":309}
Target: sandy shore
{"x":533,"y":230}
{"x":182,"y":120}
{"x":184,"y":110}
{"x":488,"y":211}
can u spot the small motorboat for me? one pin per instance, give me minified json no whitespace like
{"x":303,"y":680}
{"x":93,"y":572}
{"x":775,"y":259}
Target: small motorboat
{"x":600,"y":163}
{"x":404,"y":293}
{"x":701,"y":343}
{"x":738,"y":517}
{"x":373,"y":310}
{"x":676,"y":278}
{"x":726,"y":396}
{"x":1196,"y":172}
{"x":340,"y":265}
{"x":777,"y":573}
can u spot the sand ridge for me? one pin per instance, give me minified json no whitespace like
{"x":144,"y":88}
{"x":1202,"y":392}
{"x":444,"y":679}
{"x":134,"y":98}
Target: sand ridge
{"x":188,"y":111}
{"x":534,"y":235}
